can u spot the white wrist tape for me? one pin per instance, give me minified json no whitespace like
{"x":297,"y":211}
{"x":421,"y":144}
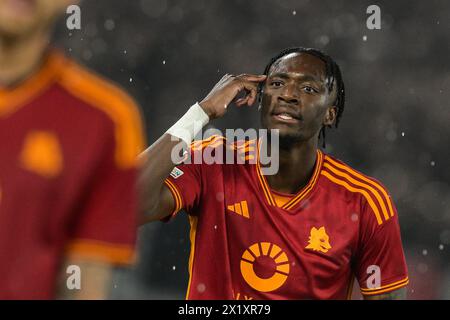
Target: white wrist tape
{"x":190,"y":124}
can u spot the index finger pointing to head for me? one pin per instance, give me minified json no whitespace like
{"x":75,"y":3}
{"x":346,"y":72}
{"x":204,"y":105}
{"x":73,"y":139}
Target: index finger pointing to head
{"x":253,"y":77}
{"x":250,"y":86}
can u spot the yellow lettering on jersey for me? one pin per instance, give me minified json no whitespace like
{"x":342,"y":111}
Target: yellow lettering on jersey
{"x":245,"y":297}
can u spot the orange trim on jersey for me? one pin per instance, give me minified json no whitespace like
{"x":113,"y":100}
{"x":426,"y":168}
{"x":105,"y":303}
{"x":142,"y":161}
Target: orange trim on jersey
{"x":305,"y":191}
{"x":211,"y":142}
{"x":360,"y":184}
{"x":245,"y":151}
{"x":298,"y":196}
{"x":263,"y":183}
{"x":101,"y":251}
{"x":117,"y":105}
{"x":369,"y":181}
{"x":262,"y":179}
{"x":244,"y":145}
{"x":13,"y":99}
{"x":386,"y":288}
{"x":192,"y":234}
{"x":352,"y":189}
{"x":281,"y":200}
{"x":214,"y":144}
{"x":197,"y":143}
{"x":176,"y":196}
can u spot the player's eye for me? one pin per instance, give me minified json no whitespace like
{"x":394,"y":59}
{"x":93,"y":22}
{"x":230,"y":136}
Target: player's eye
{"x":309,"y":89}
{"x":276,"y":83}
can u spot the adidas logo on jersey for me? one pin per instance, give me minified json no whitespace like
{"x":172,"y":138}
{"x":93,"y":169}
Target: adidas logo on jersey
{"x":240,"y":208}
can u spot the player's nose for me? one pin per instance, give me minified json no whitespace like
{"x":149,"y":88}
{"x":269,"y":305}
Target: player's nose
{"x":288,"y":99}
{"x":289,"y":94}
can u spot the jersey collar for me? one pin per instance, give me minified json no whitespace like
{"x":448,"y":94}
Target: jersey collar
{"x":12,"y":99}
{"x":299,"y":196}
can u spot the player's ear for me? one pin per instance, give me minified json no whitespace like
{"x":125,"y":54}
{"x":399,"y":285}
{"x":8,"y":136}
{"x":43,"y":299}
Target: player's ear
{"x":330,"y":116}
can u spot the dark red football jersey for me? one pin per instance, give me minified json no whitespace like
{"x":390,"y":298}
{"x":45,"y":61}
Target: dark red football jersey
{"x":68,"y":147}
{"x":250,"y":242}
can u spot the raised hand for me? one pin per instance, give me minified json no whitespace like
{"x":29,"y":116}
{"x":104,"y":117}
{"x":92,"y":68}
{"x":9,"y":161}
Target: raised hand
{"x":225,"y":91}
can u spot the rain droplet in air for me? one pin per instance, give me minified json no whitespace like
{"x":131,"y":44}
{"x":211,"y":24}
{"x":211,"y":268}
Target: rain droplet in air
{"x":109,"y":25}
{"x":220,"y":196}
{"x":422,"y":267}
{"x":364,"y":38}
{"x":201,"y":287}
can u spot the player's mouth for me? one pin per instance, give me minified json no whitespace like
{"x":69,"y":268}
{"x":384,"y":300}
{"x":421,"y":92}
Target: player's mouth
{"x":285,"y":116}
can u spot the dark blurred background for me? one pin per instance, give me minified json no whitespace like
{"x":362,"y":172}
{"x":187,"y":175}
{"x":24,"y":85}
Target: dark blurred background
{"x":168,"y":54}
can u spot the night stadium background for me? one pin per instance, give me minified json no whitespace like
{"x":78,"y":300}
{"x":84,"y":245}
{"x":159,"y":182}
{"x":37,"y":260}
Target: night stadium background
{"x":168,"y":54}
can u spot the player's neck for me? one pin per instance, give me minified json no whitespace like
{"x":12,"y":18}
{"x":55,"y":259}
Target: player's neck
{"x":21,"y":57}
{"x":296,"y":166}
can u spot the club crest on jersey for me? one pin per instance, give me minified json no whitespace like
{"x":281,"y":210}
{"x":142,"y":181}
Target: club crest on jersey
{"x":42,"y":154}
{"x":319,"y":240}
{"x":176,"y":173}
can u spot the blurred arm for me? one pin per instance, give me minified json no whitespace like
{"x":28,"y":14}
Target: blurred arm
{"x":399,"y":294}
{"x":95,"y":280}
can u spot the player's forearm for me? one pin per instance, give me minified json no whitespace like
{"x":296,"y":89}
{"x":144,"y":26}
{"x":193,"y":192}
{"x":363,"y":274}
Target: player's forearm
{"x":157,"y":159}
{"x":157,"y":165}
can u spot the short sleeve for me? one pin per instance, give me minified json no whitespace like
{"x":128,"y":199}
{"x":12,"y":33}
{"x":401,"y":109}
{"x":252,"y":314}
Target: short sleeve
{"x":188,"y":181}
{"x":103,"y":226}
{"x":184,"y":182}
{"x":380,"y":264}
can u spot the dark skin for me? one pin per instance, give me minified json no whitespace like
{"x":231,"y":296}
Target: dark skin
{"x":296,"y":86}
{"x":295,"y":100}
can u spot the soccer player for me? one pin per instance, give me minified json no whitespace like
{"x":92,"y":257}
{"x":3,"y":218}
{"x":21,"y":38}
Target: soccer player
{"x":68,"y":147}
{"x":303,"y":233}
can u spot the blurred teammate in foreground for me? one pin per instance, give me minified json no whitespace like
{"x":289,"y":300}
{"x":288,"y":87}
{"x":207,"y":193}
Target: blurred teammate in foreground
{"x":68,"y":147}
{"x":303,"y":233}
